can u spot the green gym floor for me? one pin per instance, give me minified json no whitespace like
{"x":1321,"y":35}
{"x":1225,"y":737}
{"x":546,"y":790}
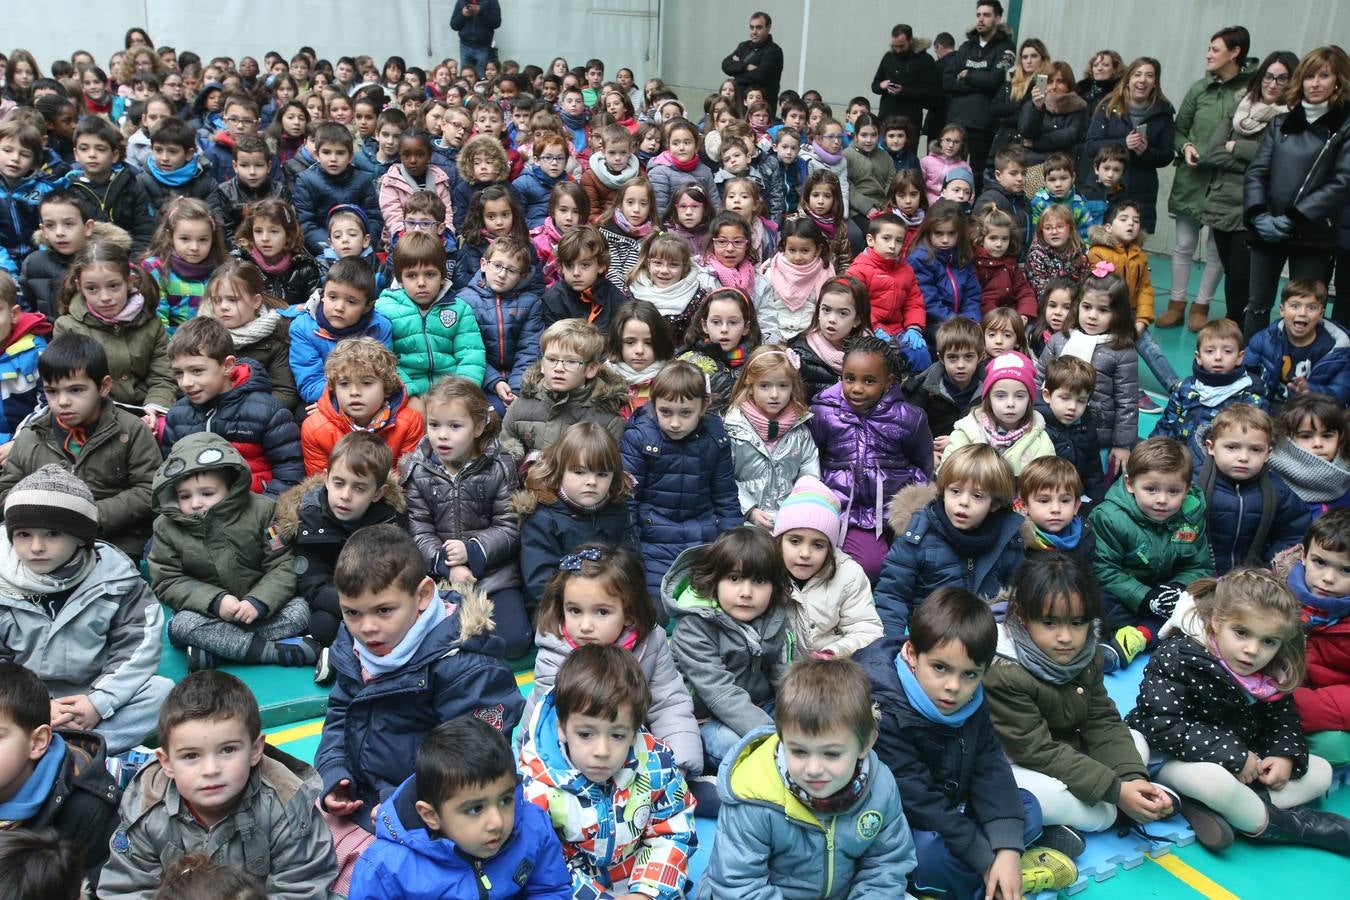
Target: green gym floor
{"x":293,"y":708}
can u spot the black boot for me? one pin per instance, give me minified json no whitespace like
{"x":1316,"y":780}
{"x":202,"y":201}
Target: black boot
{"x":1312,"y":827}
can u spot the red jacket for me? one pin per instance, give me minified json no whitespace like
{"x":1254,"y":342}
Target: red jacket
{"x":326,"y":426}
{"x":1324,"y":700}
{"x":1003,"y":284}
{"x":896,"y":301}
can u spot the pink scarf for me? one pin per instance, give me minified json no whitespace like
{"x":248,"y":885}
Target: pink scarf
{"x":997,"y":437}
{"x":280,"y":267}
{"x":627,"y":639}
{"x":829,"y":354}
{"x":743,"y":276}
{"x":664,"y":158}
{"x":622,"y":223}
{"x":1258,"y":684}
{"x":824,"y":223}
{"x":769,"y":430}
{"x":797,"y":285}
{"x":824,"y":155}
{"x":135,"y":304}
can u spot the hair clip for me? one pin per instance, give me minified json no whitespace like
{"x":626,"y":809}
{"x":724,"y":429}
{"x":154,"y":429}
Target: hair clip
{"x":1101,"y":268}
{"x":572,"y":561}
{"x":794,"y":359}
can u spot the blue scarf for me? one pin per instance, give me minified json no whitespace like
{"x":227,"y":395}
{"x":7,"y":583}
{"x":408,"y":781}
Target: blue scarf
{"x":354,"y":330}
{"x":1319,"y":612}
{"x":178,"y":177}
{"x":395,"y":659}
{"x":35,"y":791}
{"x":926,"y":707}
{"x":1066,"y":540}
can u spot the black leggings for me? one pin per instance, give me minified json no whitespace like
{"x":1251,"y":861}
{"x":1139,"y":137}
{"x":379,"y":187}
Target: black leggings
{"x":1237,"y":271}
{"x":1267,"y":262}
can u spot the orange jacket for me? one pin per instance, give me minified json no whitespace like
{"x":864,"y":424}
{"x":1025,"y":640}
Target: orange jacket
{"x":326,"y":426}
{"x":1131,"y":264}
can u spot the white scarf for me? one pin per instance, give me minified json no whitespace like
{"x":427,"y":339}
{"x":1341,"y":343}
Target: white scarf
{"x":634,"y":377}
{"x":1214,"y":394}
{"x":1252,"y":116}
{"x":609,"y":179}
{"x":17,"y":580}
{"x":671,"y":300}
{"x":1083,"y":345}
{"x":260,"y":329}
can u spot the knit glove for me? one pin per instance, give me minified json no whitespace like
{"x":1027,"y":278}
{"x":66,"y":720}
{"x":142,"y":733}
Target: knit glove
{"x":1272,"y":229}
{"x":1163,"y":599}
{"x":882,"y":334}
{"x":914,"y":348}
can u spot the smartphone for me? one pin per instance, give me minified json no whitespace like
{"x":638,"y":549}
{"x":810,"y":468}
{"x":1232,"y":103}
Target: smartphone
{"x":1142,"y":128}
{"x":1041,"y":81}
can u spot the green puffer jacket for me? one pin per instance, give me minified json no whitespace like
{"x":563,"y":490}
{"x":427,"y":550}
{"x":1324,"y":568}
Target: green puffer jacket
{"x":1224,"y":200}
{"x":196,"y":559}
{"x":442,"y":339}
{"x":138,"y":353}
{"x":1206,"y":105}
{"x":1136,"y":554}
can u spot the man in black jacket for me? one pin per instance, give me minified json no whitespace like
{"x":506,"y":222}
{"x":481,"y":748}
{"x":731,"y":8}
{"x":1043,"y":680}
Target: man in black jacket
{"x":981,"y":67}
{"x":476,"y":20}
{"x":757,"y":62}
{"x":907,"y":79}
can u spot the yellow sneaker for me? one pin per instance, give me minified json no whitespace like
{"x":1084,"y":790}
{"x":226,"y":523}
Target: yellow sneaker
{"x":1044,"y":869}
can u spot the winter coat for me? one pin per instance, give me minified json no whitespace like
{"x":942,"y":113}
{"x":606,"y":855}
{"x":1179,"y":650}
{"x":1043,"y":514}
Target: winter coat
{"x":1235,"y":510}
{"x":534,"y":188}
{"x":1016,"y":205}
{"x":509,"y":325}
{"x":538,"y":417}
{"x":767,"y":58}
{"x":316,"y":192}
{"x":20,"y":381}
{"x":670,"y":718}
{"x":253,"y":421}
{"x":197,"y":559}
{"x":476,"y":30}
{"x":81,"y":804}
{"x":267,"y":340}
{"x":1323,"y":700}
{"x":815,"y":162}
{"x":955,"y":781}
{"x":624,"y":250}
{"x":1223,"y":198}
{"x":410,"y":862}
{"x":1187,"y":418}
{"x":779,"y":847}
{"x":561,"y":302}
{"x":295,"y":285}
{"x":762,"y":299}
{"x":869,"y":177}
{"x":635,"y":829}
{"x":1140,"y":182}
{"x":865,"y":458}
{"x":949,"y":289}
{"x":1208,"y":102}
{"x":373,"y":728}
{"x":934,"y":166}
{"x":43,"y":270}
{"x":311,"y":344}
{"x":920,"y":84}
{"x":665,"y":178}
{"x":106,"y":641}
{"x":1003,"y":284}
{"x":468,"y":265}
{"x":968,"y":98}
{"x":275,"y":833}
{"x":1085,"y":549}
{"x":1074,"y":203}
{"x":929,"y":392}
{"x":121,"y":200}
{"x":1032,"y":445}
{"x":893,"y":289}
{"x":199,"y":187}
{"x":1007,"y":112}
{"x":1136,"y":554}
{"x":1131,"y":264}
{"x":465,"y":188}
{"x":320,"y":432}
{"x":551,"y":528}
{"x":685,"y":492}
{"x":765,"y":475}
{"x":834,"y":614}
{"x":923,"y":559}
{"x":731,"y":667}
{"x":117,"y":463}
{"x":841,"y":251}
{"x":1115,"y":397}
{"x":441,"y":339}
{"x":1071,"y":731}
{"x":231,"y":200}
{"x":1190,"y":709}
{"x":1058,"y":127}
{"x":1330,"y":372}
{"x":138,"y":353}
{"x":394,"y":190}
{"x":815,"y":372}
{"x":1078,"y":443}
{"x":1044,"y":265}
{"x":179,"y":295}
{"x":19,"y":220}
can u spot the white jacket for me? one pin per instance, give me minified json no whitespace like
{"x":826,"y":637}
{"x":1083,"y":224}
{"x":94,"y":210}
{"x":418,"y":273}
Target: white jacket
{"x":835,"y":614}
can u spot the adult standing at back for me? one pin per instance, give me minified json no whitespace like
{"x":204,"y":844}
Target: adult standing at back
{"x":475,"y":20}
{"x":907,"y":80}
{"x":1209,"y":101}
{"x":977,"y":75}
{"x":757,"y":62}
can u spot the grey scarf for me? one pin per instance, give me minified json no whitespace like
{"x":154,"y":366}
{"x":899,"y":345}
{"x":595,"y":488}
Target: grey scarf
{"x":1313,"y":478}
{"x":1037,"y":661}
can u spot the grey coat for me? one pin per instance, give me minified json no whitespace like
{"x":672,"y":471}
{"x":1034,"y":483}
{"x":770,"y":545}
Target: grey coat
{"x":764,"y":475}
{"x":538,"y":417}
{"x":1115,"y":398}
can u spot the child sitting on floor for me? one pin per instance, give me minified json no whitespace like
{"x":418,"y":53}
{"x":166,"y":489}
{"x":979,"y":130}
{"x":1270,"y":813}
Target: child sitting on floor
{"x":1218,"y":380}
{"x":1049,"y":494}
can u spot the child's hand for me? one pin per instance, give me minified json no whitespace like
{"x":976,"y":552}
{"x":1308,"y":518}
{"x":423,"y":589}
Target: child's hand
{"x":79,"y":711}
{"x":312,"y":409}
{"x":1276,"y":771}
{"x":1143,"y":801}
{"x":461,"y":574}
{"x":1004,"y":876}
{"x":247,"y":613}
{"x":1251,"y":770}
{"x":940,"y":443}
{"x":1120,"y":456}
{"x":339,"y":800}
{"x":1139,"y":326}
{"x":455,"y":553}
{"x":60,"y":714}
{"x":1298,"y":385}
{"x":4,"y":451}
{"x":504,"y":392}
{"x":761,"y":518}
{"x":149,"y":419}
{"x":229,"y":608}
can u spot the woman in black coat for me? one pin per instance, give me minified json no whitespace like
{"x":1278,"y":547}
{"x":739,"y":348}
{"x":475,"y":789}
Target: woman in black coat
{"x":1100,"y":78}
{"x":1298,"y":184}
{"x":1055,"y":121}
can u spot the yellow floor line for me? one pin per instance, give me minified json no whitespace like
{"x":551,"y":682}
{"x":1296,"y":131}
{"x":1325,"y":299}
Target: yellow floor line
{"x":298,"y":733}
{"x":524,"y":678}
{"x":1192,"y":878}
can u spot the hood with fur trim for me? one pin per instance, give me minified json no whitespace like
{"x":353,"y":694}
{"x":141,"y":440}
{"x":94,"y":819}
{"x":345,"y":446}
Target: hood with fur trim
{"x":608,"y":391}
{"x":909,"y":500}
{"x":479,"y":145}
{"x":1002,"y":31}
{"x":287,"y":519}
{"x":102,"y":231}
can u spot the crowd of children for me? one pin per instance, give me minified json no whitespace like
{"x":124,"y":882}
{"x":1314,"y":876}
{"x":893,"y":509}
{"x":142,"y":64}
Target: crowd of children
{"x":811,"y":471}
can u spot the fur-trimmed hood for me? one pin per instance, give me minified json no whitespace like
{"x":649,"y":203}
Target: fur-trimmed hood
{"x":1098,"y":234}
{"x":525,"y":501}
{"x":478,"y":145}
{"x":608,"y":391}
{"x":909,"y":500}
{"x":475,"y":611}
{"x":102,"y":231}
{"x":1064,"y":104}
{"x":287,"y":520}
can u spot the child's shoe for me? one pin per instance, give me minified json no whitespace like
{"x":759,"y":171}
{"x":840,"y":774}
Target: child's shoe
{"x":199,"y":659}
{"x":124,"y":766}
{"x":324,"y":673}
{"x":297,"y":651}
{"x":1127,"y":643}
{"x":1062,"y":838}
{"x":1212,"y":830}
{"x":1148,"y":405}
{"x":1044,"y":869}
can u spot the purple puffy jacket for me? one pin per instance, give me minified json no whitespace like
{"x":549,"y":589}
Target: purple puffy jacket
{"x":865,"y":459}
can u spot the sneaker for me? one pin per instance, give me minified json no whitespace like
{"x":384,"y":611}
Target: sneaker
{"x":124,"y":766}
{"x":324,"y":673}
{"x":1044,"y":869}
{"x":1062,"y":838}
{"x":199,"y":659}
{"x":1110,"y":659}
{"x":1127,"y":643}
{"x":1148,"y":404}
{"x":297,"y":651}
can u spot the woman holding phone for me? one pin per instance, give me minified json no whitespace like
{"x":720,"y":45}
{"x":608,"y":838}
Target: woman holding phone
{"x":1055,"y":119}
{"x":1026,"y":78}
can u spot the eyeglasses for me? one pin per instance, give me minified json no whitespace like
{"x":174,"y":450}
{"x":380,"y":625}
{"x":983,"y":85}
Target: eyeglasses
{"x":832,"y":137}
{"x":567,"y":365}
{"x":501,"y":269}
{"x":553,"y":158}
{"x":738,"y":243}
{"x":416,"y":224}
{"x":240,"y":120}
{"x":1274,"y":79}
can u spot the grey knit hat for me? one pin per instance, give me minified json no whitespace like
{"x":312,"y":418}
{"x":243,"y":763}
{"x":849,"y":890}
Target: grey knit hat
{"x":53,"y":498}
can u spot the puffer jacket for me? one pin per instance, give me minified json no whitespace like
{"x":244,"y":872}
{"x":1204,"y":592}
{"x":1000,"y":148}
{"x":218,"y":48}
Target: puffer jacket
{"x":923,"y":559}
{"x":732,"y":668}
{"x":1140,"y":183}
{"x":1077,"y":442}
{"x":1032,"y":445}
{"x":834,"y":614}
{"x":253,"y":421}
{"x":122,"y":201}
{"x":765,"y":475}
{"x":1189,"y":708}
{"x":785,"y":849}
{"x":955,"y":780}
{"x":815,"y":162}
{"x":968,"y":98}
{"x":534,"y":188}
{"x":468,"y":265}
{"x":815,"y":372}
{"x":196,"y":559}
{"x":1058,"y":127}
{"x":865,"y":458}
{"x":685,"y":492}
{"x":670,"y":718}
{"x":948,"y":289}
{"x":1115,"y":396}
{"x":396,"y":187}
{"x":1003,"y":284}
{"x":665,"y":178}
{"x":637,"y":828}
{"x":231,"y":199}
{"x":1330,"y":373}
{"x":138,"y":353}
{"x":1323,"y":700}
{"x":40,"y":280}
{"x":373,"y":727}
{"x":538,"y":417}
{"x":311,"y":343}
{"x":1187,"y":417}
{"x":894,"y":290}
{"x":20,"y":380}
{"x":442,"y":339}
{"x":267,"y":339}
{"x":179,"y":296}
{"x":316,"y":192}
{"x":510,"y":325}
{"x":19,"y":218}
{"x":1223,"y":198}
{"x":296,"y":285}
{"x":401,"y":431}
{"x":82,"y":802}
{"x":1071,"y":731}
{"x":275,"y":833}
{"x":928,"y":390}
{"x":551,"y":528}
{"x":410,"y":862}
{"x":1135,"y":553}
{"x":1207,"y":103}
{"x":472,"y":506}
{"x":1131,"y":264}
{"x":1235,"y":510}
{"x":869,"y":177}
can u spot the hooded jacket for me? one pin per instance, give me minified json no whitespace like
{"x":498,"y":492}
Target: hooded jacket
{"x":539,"y":416}
{"x":551,"y":528}
{"x":410,"y":862}
{"x":1140,"y":183}
{"x":1003,"y":284}
{"x":985,"y":69}
{"x":1131,"y":264}
{"x":254,"y":422}
{"x":636,"y":828}
{"x":765,"y":475}
{"x":374,"y":727}
{"x":835,"y":614}
{"x":275,"y":833}
{"x":731,"y":667}
{"x":893,"y":287}
{"x":1330,"y":372}
{"x":1032,"y":445}
{"x":316,"y":192}
{"x":1187,"y":417}
{"x":401,"y":430}
{"x":920,"y":81}
{"x":231,"y":199}
{"x":955,"y":781}
{"x":81,"y":805}
{"x":311,"y":344}
{"x":296,"y":285}
{"x":197,"y":559}
{"x":441,"y":339}
{"x":122,"y":200}
{"x":20,"y":383}
{"x":1207,"y":103}
{"x":775,"y":846}
{"x":1056,"y":128}
{"x":1115,"y":396}
{"x":928,"y":390}
{"x":948,"y":288}
{"x":19,"y":218}
{"x":510,"y":324}
{"x":138,"y":353}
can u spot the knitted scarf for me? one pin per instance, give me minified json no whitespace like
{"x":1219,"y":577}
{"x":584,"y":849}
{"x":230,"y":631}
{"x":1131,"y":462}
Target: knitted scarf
{"x":633,"y":376}
{"x":175,"y":178}
{"x":1213,"y":389}
{"x":1252,"y":116}
{"x":610,"y":180}
{"x":96,"y":108}
{"x":1083,"y":345}
{"x":128,"y":313}
{"x":769,"y":430}
{"x":794,"y":285}
{"x":638,"y":231}
{"x":1319,"y":613}
{"x":373,"y":666}
{"x":190,"y":270}
{"x":829,"y":354}
{"x":743,"y":276}
{"x":911,"y":221}
{"x":999,"y":438}
{"x":844,"y":798}
{"x":825,"y":156}
{"x":736,"y":356}
{"x":1313,"y":478}
{"x":281,"y":266}
{"x":259,"y":329}
{"x":574,"y":122}
{"x":925,"y":707}
{"x":1260,"y":685}
{"x":1043,"y":665}
{"x":1064,"y":541}
{"x":664,"y":158}
{"x":17,"y":580}
{"x":971,"y":542}
{"x":670,"y":300}
{"x":824,"y":223}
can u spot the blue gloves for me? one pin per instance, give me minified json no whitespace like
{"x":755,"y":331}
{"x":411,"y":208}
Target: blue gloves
{"x":1272,"y":229}
{"x":914,"y":348}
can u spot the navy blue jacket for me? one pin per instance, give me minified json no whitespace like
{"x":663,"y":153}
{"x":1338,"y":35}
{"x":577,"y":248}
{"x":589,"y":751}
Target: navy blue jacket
{"x":1077,"y":442}
{"x":1330,"y":374}
{"x":510,"y":324}
{"x":1141,"y":169}
{"x":1234,"y":509}
{"x":468,"y":265}
{"x":533,"y":189}
{"x":552,"y":529}
{"x":476,"y":30}
{"x":316,"y":192}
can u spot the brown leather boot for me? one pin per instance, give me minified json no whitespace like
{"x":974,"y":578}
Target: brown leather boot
{"x":1176,"y":310}
{"x":1198,"y":317}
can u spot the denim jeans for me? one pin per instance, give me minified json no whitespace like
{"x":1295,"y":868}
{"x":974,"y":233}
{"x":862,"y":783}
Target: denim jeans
{"x":719,"y":739}
{"x":1157,"y":363}
{"x":474,"y":56}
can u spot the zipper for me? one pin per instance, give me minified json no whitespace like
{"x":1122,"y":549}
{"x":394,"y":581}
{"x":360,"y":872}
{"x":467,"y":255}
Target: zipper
{"x":481,"y":879}
{"x":1298,"y":195}
{"x":829,"y":852}
{"x":501,"y":335}
{"x":1232,"y":553}
{"x":426,"y":339}
{"x":956,"y":292}
{"x":970,"y":574}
